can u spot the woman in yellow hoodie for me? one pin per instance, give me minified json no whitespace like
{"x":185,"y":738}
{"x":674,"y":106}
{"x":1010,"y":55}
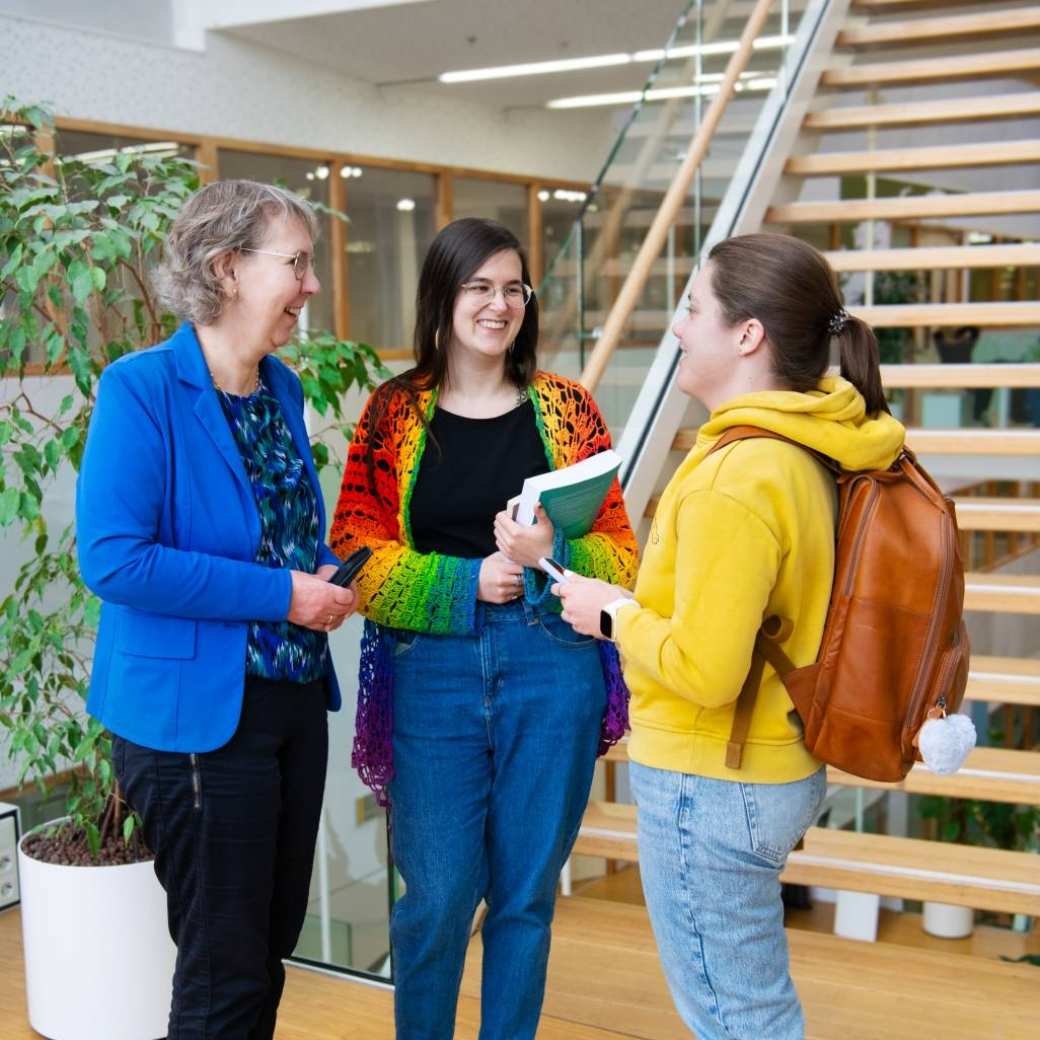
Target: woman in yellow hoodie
{"x":741,"y":534}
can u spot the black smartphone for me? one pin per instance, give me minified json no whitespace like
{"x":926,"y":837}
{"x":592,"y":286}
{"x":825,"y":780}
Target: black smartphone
{"x":349,"y":568}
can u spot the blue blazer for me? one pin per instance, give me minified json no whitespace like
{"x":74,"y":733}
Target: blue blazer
{"x":167,"y":529}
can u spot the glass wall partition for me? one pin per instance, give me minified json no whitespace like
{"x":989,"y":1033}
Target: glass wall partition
{"x":392,"y":223}
{"x":497,"y":200}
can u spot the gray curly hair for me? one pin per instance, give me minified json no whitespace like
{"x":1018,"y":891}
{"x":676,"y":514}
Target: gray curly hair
{"x":222,"y":217}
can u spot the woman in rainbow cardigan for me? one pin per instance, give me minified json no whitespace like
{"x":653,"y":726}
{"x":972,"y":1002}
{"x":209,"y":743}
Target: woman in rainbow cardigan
{"x":480,"y":711}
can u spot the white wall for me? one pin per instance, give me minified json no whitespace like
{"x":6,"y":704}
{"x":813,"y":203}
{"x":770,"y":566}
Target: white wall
{"x":147,"y":20}
{"x":240,"y":89}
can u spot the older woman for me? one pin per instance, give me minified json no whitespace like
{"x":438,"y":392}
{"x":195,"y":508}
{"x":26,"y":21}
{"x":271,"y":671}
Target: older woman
{"x":200,"y":521}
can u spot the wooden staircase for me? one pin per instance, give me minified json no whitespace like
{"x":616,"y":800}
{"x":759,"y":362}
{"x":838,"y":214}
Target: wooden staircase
{"x":951,"y":74}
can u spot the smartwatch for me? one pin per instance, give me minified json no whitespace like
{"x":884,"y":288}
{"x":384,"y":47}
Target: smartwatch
{"x":608,"y":616}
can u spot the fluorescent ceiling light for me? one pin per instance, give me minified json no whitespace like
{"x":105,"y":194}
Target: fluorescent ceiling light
{"x":630,"y":97}
{"x":406,"y":205}
{"x":599,"y":61}
{"x":762,"y":43}
{"x":535,"y":68}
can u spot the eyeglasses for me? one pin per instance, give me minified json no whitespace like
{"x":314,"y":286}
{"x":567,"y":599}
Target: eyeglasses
{"x":301,"y":261}
{"x":515,"y":294}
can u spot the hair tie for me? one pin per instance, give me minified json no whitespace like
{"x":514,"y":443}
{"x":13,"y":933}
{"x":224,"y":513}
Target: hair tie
{"x":838,"y":322}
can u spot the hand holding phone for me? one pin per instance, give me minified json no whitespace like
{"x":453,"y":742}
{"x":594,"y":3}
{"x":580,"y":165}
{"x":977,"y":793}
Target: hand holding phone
{"x":553,"y":568}
{"x":348,"y":570}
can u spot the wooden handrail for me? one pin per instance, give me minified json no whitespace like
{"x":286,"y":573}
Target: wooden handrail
{"x":673,"y":200}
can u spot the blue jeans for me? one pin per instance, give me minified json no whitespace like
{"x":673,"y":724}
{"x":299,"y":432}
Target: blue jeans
{"x":494,"y":742}
{"x":710,"y":855}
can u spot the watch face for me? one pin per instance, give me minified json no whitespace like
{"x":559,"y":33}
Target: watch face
{"x":606,"y":624}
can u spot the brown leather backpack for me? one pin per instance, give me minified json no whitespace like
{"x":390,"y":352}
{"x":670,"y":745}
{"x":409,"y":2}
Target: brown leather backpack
{"x":895,"y":648}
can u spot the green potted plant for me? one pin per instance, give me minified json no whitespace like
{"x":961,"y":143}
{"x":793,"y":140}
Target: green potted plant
{"x":77,"y":241}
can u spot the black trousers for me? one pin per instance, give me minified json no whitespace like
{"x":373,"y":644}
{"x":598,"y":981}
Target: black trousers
{"x":233,"y":831}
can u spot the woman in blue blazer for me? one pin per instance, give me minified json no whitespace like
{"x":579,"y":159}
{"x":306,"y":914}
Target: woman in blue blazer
{"x":200,"y":526}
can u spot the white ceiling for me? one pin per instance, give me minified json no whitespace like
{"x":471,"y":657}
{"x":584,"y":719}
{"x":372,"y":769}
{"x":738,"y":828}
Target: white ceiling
{"x":414,"y":42}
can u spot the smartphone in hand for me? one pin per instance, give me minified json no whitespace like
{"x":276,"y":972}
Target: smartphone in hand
{"x":553,"y":568}
{"x":348,"y":570}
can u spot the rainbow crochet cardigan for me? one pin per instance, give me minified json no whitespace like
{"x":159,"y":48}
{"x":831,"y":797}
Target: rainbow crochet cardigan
{"x":430,"y":592}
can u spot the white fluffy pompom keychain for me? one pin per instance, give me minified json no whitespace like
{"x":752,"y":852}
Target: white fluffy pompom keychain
{"x":945,"y":741}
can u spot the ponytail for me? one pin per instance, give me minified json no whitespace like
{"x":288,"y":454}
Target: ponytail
{"x":791,"y":289}
{"x":861,"y":364}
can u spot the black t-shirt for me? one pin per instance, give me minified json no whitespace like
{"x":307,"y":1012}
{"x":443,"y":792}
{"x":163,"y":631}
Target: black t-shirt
{"x":481,"y":464}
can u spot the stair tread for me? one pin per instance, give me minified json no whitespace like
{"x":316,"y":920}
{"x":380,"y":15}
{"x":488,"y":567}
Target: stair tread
{"x":988,"y":153}
{"x":922,"y":258}
{"x":956,"y":441}
{"x":910,"y":207}
{"x":989,"y":773}
{"x":959,"y":110}
{"x":961,"y":66}
{"x":883,"y":849}
{"x":961,"y":376}
{"x":967,"y":875}
{"x":951,"y":314}
{"x":942,"y":27}
{"x":905,"y":315}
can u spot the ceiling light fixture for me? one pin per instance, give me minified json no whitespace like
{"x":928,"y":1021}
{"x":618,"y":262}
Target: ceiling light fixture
{"x":406,"y":205}
{"x":629,"y":97}
{"x":599,"y":61}
{"x":762,"y":43}
{"x":536,"y":68}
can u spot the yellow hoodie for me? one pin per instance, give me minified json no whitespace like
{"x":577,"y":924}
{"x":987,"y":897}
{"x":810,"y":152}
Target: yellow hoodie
{"x":741,"y":535}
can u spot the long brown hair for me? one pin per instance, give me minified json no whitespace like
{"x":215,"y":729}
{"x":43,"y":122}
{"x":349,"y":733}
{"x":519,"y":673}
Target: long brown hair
{"x":454,"y":256}
{"x":791,"y":289}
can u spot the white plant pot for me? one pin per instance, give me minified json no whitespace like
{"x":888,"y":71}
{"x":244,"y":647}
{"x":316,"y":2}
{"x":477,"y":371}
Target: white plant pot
{"x":947,"y":921}
{"x":98,"y":956}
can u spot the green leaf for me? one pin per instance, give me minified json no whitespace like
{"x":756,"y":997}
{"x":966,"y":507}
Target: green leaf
{"x":13,"y":262}
{"x":80,"y":280}
{"x":9,"y":510}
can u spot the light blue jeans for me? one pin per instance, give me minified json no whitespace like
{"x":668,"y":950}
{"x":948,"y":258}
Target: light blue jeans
{"x":710,"y":856}
{"x":495,"y":738}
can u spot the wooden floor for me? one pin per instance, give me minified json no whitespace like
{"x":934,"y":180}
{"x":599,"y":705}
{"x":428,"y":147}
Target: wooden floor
{"x":605,"y":983}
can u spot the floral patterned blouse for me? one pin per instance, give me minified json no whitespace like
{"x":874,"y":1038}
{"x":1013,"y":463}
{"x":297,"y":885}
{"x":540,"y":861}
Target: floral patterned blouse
{"x":289,"y":535}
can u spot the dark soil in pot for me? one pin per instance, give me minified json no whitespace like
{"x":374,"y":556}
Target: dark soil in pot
{"x":65,"y":845}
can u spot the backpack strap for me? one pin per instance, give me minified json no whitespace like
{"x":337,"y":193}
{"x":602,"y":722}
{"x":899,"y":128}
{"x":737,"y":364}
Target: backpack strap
{"x":774,"y":631}
{"x":747,"y":433}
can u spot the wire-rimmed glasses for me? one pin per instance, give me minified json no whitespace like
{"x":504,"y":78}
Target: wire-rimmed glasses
{"x":515,"y":294}
{"x":302,"y":261}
